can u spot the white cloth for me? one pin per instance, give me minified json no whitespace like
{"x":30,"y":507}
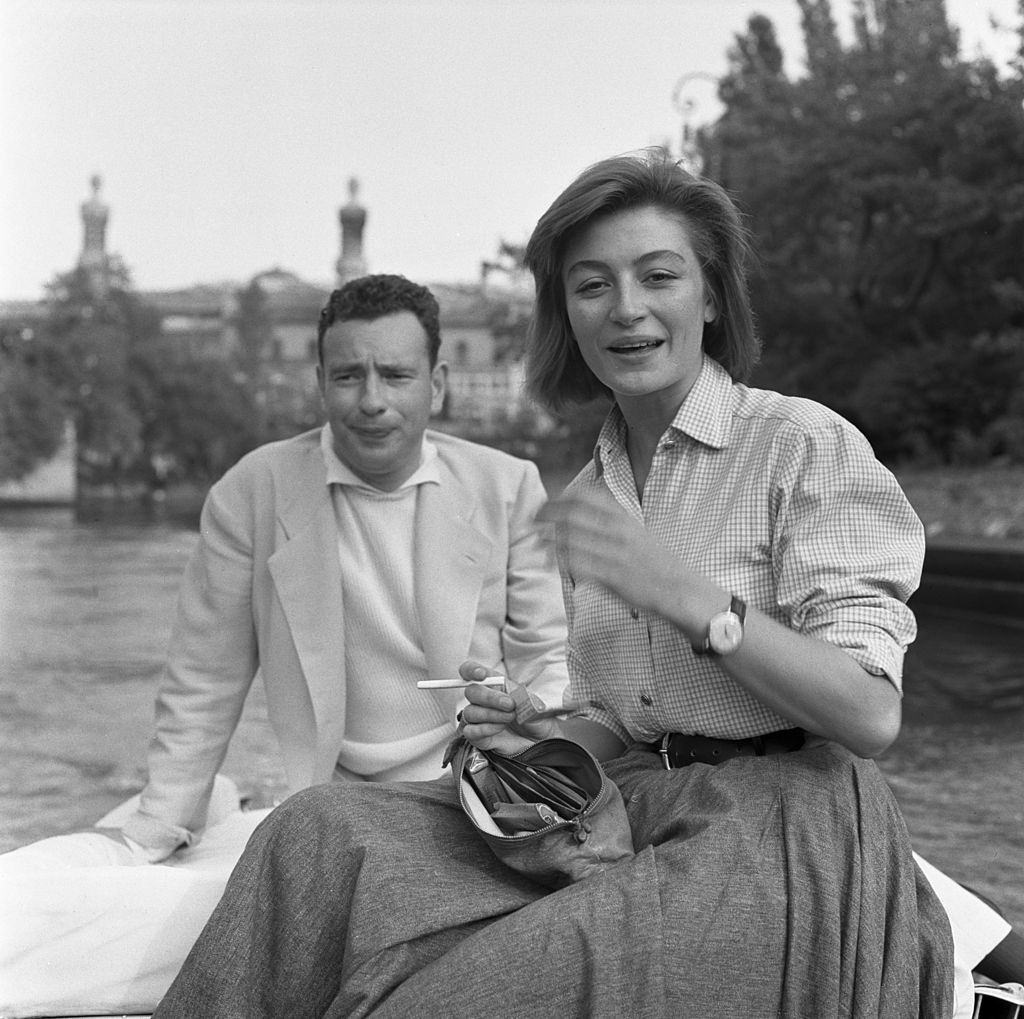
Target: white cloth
{"x":977,"y":929}
{"x":85,"y":931}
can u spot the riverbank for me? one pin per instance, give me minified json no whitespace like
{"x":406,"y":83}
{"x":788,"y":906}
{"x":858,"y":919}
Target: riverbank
{"x":967,"y":503}
{"x":955,"y":504}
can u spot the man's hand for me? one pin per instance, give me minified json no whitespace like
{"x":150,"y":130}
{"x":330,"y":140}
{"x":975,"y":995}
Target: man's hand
{"x":131,"y":853}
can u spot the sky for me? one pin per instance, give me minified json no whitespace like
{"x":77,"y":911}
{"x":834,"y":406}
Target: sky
{"x":225,"y":132}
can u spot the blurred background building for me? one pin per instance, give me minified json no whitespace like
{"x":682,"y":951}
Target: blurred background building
{"x":263,"y":330}
{"x":486,"y":379}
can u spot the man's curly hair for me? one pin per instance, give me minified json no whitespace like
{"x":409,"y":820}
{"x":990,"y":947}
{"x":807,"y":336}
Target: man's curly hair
{"x":372,"y":297}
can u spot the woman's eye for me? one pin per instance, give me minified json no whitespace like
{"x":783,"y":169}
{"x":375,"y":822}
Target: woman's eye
{"x":660,"y":276}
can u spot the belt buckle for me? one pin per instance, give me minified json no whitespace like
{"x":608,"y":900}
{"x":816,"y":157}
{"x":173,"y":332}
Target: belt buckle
{"x":663,"y":750}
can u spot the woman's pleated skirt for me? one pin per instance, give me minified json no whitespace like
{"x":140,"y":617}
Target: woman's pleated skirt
{"x":772,"y":886}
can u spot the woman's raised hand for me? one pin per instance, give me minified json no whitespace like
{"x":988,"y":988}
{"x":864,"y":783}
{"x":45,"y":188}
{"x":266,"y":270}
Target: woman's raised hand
{"x":598,"y":540}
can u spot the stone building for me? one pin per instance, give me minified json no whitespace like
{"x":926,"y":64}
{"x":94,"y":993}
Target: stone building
{"x":485,"y":384}
{"x":199,"y":319}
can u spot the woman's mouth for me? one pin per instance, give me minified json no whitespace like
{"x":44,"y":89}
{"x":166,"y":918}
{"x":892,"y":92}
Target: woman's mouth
{"x":635,"y":346}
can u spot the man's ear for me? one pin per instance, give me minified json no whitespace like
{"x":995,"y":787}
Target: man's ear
{"x":438,"y":385}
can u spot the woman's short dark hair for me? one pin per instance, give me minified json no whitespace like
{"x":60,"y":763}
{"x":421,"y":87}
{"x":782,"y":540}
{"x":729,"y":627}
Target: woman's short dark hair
{"x":372,"y":297}
{"x":555,"y":371}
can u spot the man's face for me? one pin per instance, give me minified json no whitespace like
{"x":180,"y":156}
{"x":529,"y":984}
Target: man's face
{"x":379,"y":391}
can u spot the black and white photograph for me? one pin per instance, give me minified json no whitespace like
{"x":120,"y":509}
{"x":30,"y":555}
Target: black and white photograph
{"x":512,"y":507}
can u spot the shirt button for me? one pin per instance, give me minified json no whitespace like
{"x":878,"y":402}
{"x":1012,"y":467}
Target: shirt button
{"x":645,"y":700}
{"x":635,"y":613}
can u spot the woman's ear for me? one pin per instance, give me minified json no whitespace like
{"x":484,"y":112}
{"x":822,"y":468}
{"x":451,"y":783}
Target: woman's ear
{"x":710,"y":307}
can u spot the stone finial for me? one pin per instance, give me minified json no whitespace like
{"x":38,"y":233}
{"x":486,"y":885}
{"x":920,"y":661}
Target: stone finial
{"x":95,"y":213}
{"x":352,"y":217}
{"x":94,"y":259}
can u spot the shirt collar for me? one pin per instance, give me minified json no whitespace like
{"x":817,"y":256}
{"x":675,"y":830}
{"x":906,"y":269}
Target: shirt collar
{"x":705,"y":415}
{"x":339,"y":473}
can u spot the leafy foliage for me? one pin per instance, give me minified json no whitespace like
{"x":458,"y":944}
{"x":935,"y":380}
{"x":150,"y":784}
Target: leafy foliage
{"x":885,"y":188}
{"x":254,"y":329}
{"x":145,"y":412}
{"x":31,"y":418}
{"x":196,"y":418}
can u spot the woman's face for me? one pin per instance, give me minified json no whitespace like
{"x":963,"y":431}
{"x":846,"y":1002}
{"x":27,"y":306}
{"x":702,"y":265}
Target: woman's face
{"x":637,"y":303}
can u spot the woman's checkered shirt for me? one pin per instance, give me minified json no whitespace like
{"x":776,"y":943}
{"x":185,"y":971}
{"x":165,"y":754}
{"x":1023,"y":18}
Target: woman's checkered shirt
{"x":780,"y":501}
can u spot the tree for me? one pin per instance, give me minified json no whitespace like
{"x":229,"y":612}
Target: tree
{"x":31,"y":417}
{"x":145,"y":411}
{"x":886,"y":194}
{"x":254,"y":329}
{"x":88,"y":340}
{"x":945,"y":401}
{"x":196,"y":417}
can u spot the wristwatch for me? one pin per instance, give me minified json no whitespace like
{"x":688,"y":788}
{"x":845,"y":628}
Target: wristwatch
{"x":725,"y":630}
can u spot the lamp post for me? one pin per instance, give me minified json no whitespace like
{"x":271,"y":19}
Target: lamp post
{"x":687,"y":103}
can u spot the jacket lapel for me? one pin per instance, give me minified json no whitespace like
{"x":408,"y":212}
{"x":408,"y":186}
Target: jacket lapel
{"x":307,"y":577}
{"x":451,"y":560}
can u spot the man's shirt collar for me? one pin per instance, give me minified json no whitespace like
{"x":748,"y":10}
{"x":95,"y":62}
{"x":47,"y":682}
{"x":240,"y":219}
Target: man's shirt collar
{"x":339,"y":473}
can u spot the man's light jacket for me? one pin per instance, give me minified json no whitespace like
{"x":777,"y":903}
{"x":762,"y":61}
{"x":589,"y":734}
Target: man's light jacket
{"x":263,"y":591}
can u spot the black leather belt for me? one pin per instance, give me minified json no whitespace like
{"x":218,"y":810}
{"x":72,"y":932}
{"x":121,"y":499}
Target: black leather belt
{"x":678,"y":749}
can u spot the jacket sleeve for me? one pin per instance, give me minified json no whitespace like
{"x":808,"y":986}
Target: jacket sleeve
{"x":210,"y":666}
{"x":534,"y":634}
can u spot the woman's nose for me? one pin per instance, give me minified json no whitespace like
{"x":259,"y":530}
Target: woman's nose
{"x":628,"y":305}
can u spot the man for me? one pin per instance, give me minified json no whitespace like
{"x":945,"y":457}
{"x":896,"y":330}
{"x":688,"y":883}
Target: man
{"x":344,"y":565}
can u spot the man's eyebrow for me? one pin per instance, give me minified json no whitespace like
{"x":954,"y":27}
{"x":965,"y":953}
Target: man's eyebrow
{"x":395,"y":365}
{"x":379,"y":365}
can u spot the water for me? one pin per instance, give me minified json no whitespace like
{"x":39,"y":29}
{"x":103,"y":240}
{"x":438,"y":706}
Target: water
{"x":85,"y":617}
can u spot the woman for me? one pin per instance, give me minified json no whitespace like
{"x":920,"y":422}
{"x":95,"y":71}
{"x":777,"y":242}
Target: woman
{"x":735,"y":567}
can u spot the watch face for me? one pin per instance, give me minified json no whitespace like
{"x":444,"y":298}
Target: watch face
{"x":725,"y":633}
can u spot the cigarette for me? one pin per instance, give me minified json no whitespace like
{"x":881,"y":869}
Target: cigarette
{"x":457,"y":684}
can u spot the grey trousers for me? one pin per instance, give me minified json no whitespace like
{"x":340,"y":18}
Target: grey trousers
{"x":775,"y":886}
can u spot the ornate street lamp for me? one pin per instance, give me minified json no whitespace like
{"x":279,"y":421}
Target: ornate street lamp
{"x":686,"y":99}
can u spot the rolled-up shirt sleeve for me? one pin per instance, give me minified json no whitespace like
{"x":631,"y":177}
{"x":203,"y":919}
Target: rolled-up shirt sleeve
{"x":848,"y":548}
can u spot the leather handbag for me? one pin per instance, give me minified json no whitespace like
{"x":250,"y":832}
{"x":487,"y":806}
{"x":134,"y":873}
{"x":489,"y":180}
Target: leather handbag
{"x":549,"y":812}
